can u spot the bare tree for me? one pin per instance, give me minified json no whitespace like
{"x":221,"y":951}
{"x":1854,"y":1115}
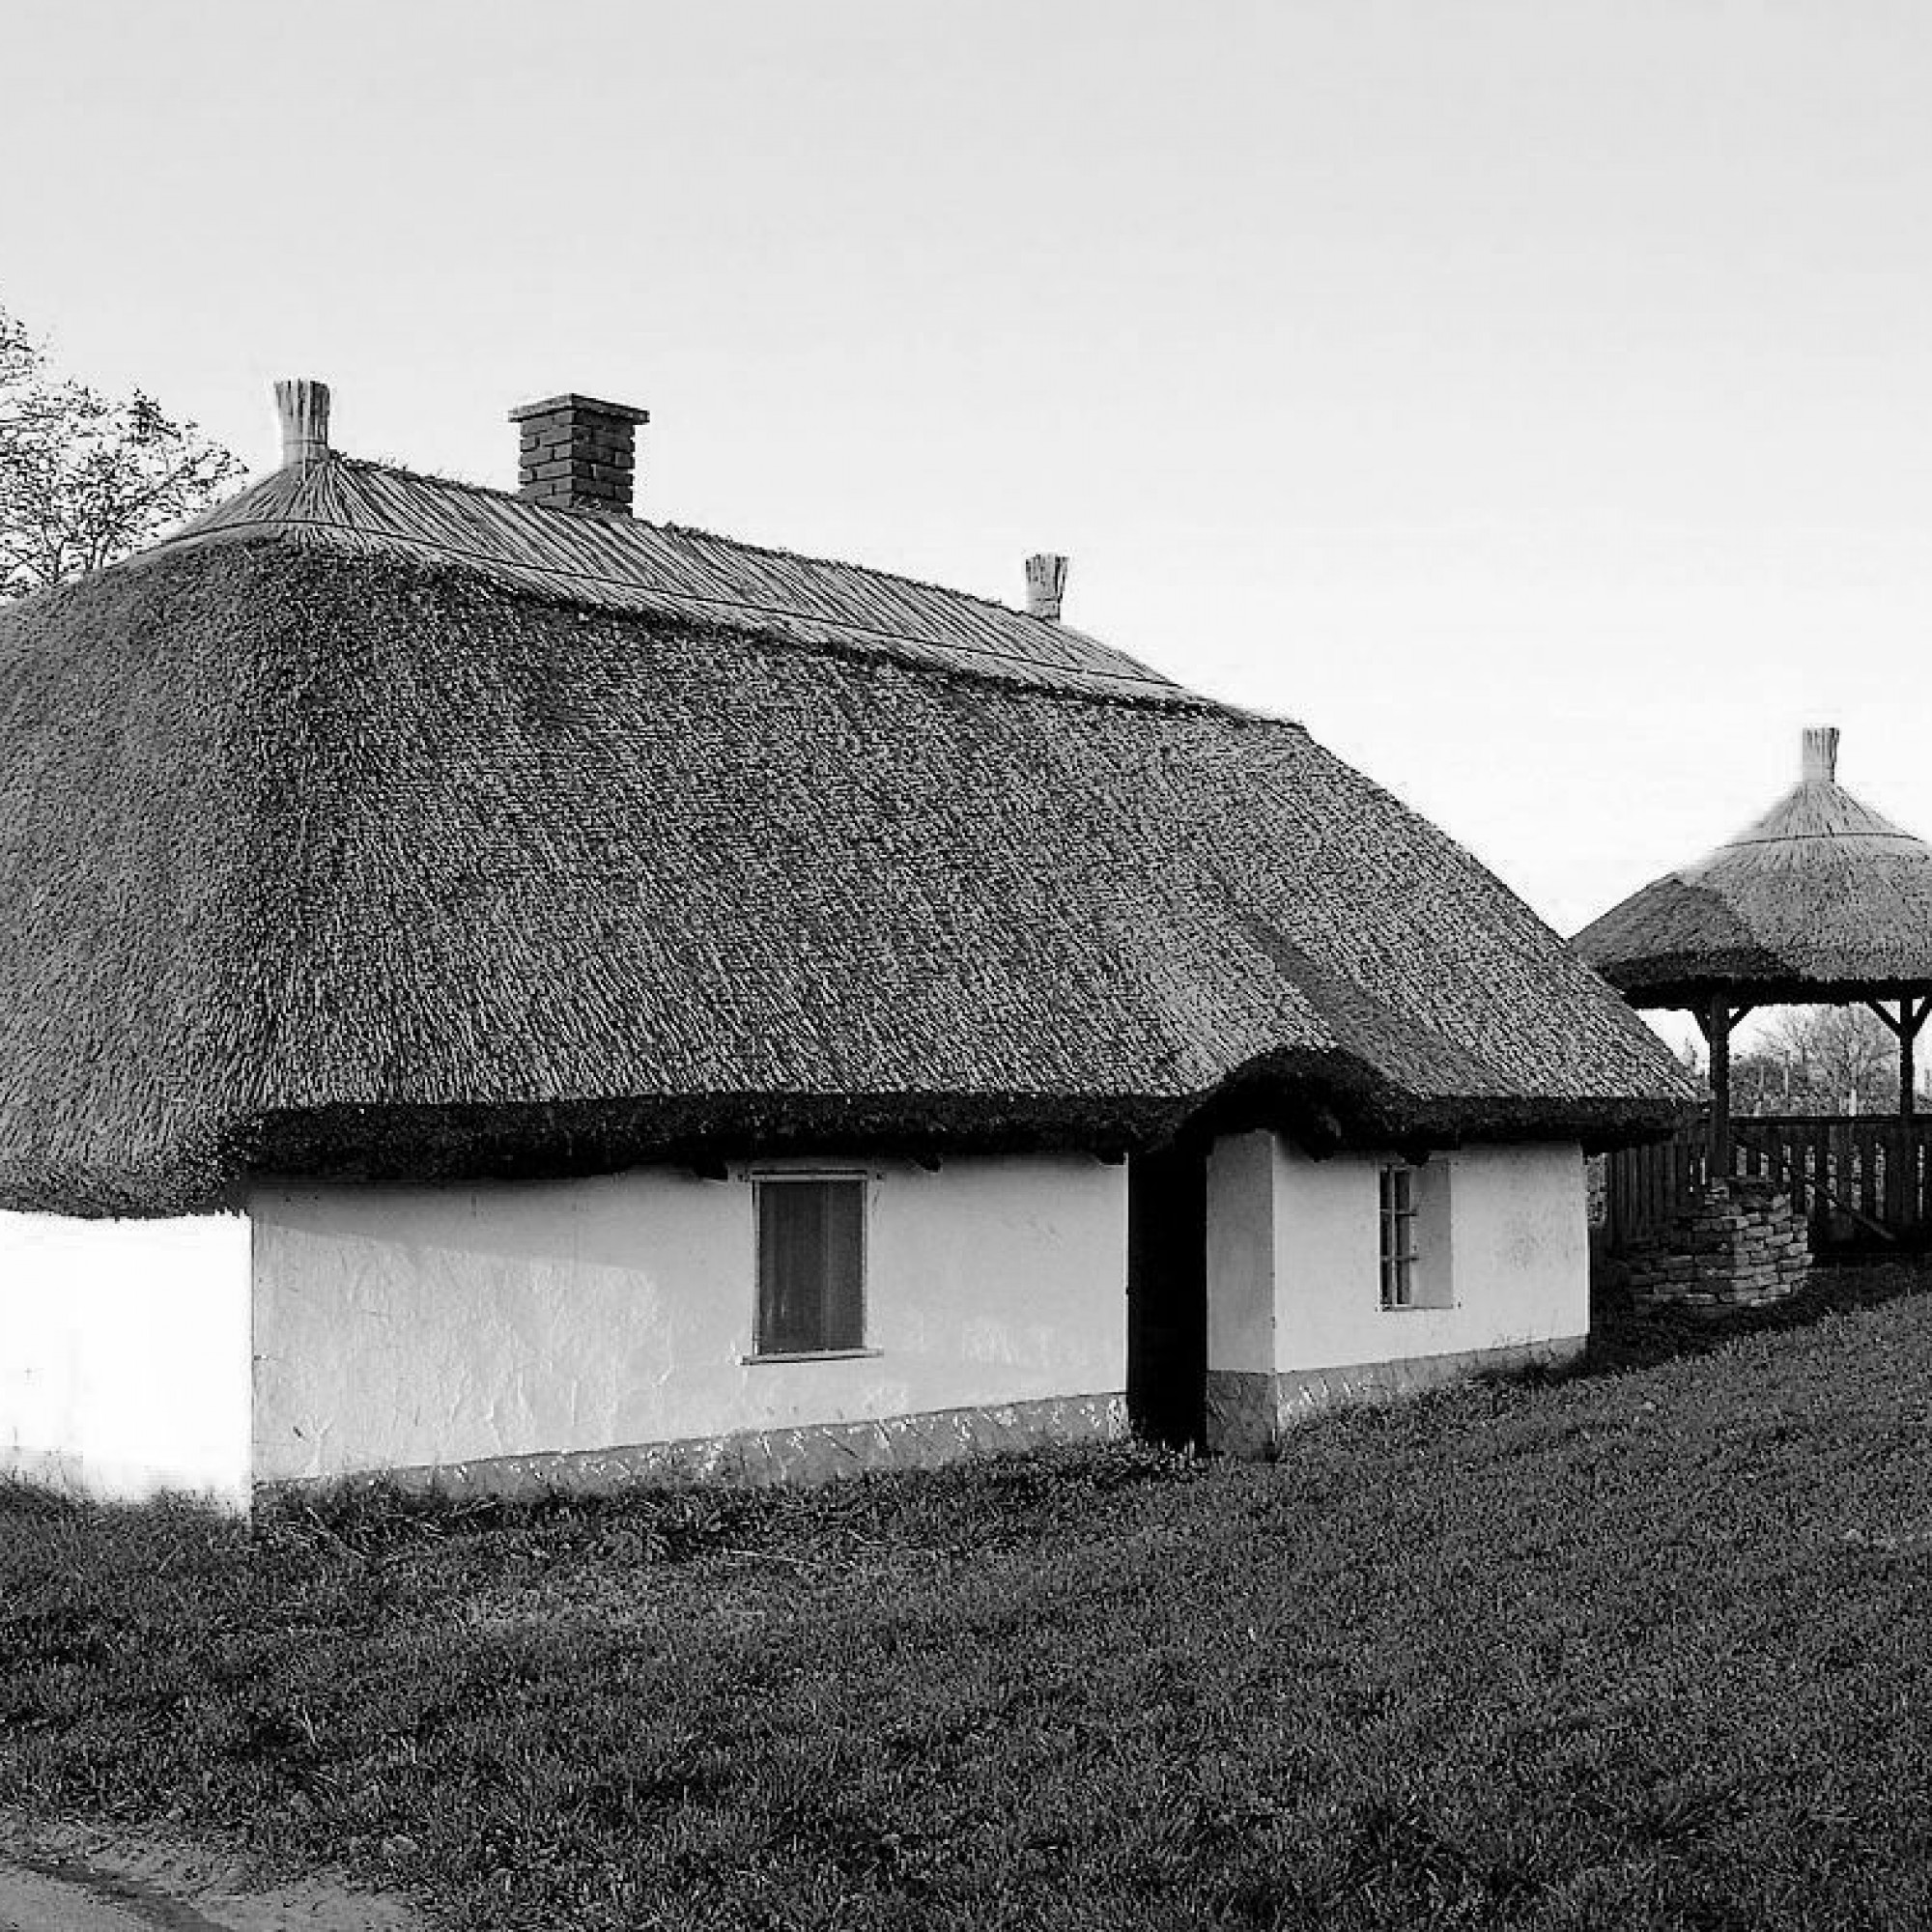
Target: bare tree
{"x":85,"y":480}
{"x":1834,"y":1059}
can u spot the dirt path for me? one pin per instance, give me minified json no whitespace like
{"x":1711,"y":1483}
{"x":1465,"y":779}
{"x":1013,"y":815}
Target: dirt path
{"x":30,"y":1901}
{"x":80,"y":1878}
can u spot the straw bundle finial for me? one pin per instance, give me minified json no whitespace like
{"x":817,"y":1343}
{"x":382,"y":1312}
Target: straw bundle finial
{"x":303,"y":406}
{"x":1821,"y":755}
{"x":1045,"y":585}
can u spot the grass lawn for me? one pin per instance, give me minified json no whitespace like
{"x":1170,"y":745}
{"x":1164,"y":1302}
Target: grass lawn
{"x":1652,"y":1646}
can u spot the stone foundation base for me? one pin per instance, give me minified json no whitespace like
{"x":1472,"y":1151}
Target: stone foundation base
{"x":1737,"y":1244}
{"x":818,"y":1452}
{"x":1249,"y":1412}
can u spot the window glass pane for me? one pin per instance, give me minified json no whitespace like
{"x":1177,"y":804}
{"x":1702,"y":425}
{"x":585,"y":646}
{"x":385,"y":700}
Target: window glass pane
{"x":811,"y":1266}
{"x":844,"y":1265}
{"x":789,"y":1241}
{"x":1398,"y":1245}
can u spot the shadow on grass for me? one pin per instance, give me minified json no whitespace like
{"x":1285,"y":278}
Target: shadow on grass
{"x":974,"y":1503}
{"x":1621,"y":1339}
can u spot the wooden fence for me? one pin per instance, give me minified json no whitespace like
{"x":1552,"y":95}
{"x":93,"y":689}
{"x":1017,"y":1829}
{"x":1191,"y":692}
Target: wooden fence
{"x":1854,"y":1177}
{"x":1647,"y":1183}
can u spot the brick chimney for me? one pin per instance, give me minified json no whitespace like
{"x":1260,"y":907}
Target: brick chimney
{"x":577,"y":454}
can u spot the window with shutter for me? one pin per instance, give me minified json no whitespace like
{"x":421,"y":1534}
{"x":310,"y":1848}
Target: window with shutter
{"x":1417,"y":1252}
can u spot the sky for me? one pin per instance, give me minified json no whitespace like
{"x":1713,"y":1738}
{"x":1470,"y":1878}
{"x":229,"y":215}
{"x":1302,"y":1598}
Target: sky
{"x":1531,"y":397}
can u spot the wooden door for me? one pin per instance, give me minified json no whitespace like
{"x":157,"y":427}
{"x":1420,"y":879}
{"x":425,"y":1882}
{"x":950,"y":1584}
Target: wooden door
{"x":1167,"y":1293}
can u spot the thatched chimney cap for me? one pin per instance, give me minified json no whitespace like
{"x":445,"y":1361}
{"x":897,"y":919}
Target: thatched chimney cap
{"x":303,"y":404}
{"x":1045,"y":585}
{"x":1821,"y":755}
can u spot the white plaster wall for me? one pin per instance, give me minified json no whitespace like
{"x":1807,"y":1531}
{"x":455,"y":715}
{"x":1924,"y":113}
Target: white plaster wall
{"x":1307,"y":1250}
{"x":1240,"y":1253}
{"x":407,"y":1326}
{"x":124,"y":1354}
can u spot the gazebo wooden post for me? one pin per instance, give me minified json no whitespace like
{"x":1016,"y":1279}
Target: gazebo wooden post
{"x":1907,"y":1029}
{"x":1718,"y":1033}
{"x":1912,"y":1014}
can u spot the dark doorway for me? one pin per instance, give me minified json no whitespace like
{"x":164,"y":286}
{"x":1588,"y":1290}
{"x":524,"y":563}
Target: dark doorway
{"x":1167,"y":1293}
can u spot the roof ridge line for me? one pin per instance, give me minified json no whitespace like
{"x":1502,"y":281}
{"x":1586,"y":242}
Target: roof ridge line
{"x":1822,"y":837}
{"x":1152,"y":685}
{"x":913,"y":654}
{"x":463,"y":485}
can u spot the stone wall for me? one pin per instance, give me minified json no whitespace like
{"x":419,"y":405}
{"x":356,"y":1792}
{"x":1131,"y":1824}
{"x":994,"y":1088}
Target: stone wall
{"x":1738,"y":1244}
{"x":1249,"y":1415}
{"x":760,"y":1457}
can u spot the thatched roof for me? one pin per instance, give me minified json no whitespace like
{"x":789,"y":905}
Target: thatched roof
{"x":1822,"y":898}
{"x":378,"y":825}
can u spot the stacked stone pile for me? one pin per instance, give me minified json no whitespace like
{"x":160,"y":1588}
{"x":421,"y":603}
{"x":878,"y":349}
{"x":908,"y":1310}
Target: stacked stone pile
{"x":1738,"y":1244}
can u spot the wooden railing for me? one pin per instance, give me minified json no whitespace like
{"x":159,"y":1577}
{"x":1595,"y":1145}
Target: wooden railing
{"x":1853,"y":1175}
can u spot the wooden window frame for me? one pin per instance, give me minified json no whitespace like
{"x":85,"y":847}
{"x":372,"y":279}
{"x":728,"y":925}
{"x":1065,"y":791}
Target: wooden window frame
{"x":1398,"y":1212}
{"x":793,"y":1177}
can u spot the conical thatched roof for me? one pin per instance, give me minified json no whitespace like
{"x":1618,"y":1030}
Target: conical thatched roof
{"x":1820,"y":900}
{"x":378,"y":825}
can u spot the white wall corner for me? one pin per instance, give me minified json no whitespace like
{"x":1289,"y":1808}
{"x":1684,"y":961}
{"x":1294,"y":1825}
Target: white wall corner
{"x":1508,"y":1221}
{"x":125,"y":1355}
{"x":1242,"y":1254}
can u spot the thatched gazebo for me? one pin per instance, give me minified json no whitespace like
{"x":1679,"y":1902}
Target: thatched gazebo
{"x":1822,"y":901}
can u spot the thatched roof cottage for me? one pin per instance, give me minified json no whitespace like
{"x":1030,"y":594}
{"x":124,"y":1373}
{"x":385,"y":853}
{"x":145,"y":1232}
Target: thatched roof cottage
{"x":665,"y":1004}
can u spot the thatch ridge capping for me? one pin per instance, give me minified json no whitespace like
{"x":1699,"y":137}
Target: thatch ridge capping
{"x":634,"y":563}
{"x":993,"y":676}
{"x":668,"y":524}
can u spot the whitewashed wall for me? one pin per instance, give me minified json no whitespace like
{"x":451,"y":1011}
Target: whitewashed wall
{"x":409,"y":1327}
{"x":124,"y":1354}
{"x":1293,"y":1272}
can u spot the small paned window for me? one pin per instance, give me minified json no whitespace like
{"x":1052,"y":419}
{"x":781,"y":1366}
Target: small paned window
{"x":1401,"y":1256}
{"x":811,"y":1265}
